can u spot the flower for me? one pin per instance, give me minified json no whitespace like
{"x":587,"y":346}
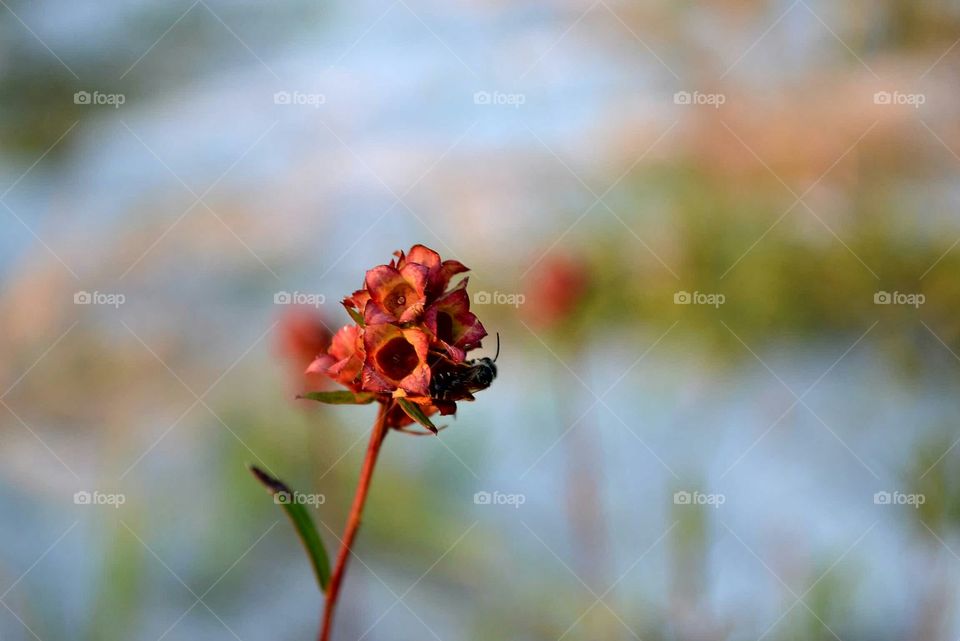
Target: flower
{"x":396,"y":295}
{"x":408,"y":324}
{"x":439,"y":272}
{"x":560,"y":285}
{"x":453,"y":325}
{"x":356,"y":303}
{"x":397,"y":360}
{"x":344,"y":359}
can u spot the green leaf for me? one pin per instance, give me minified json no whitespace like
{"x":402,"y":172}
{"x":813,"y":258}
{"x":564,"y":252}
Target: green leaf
{"x":302,"y":523}
{"x":355,"y":315}
{"x":340,"y":397}
{"x":413,"y":411}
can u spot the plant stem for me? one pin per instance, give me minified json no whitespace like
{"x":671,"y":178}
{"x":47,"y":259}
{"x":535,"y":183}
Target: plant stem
{"x":377,"y":435}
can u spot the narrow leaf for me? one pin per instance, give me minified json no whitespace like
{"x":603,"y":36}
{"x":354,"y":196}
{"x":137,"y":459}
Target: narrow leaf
{"x":355,"y":315}
{"x":405,"y":430}
{"x":340,"y":397}
{"x":413,"y":411}
{"x":302,"y":523}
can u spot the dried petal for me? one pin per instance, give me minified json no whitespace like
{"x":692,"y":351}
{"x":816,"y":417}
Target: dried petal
{"x":440,"y":272}
{"x":356,"y":303}
{"x":344,"y":360}
{"x":453,"y":325}
{"x":399,"y":294}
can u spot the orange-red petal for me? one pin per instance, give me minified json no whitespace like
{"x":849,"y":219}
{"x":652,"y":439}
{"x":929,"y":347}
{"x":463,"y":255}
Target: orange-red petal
{"x":440,"y":272}
{"x":399,"y":294}
{"x":344,"y":359}
{"x":453,"y":325}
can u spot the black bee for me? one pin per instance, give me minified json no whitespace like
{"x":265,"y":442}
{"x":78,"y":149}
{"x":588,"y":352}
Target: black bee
{"x":458,"y":381}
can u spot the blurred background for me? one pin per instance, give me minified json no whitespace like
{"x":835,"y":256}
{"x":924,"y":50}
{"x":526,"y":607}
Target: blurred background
{"x":718,"y":241}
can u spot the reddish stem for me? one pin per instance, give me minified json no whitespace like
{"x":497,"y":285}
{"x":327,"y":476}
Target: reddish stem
{"x":377,"y":434}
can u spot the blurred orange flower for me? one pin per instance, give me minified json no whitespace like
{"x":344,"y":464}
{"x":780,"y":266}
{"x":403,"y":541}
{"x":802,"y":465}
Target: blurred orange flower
{"x":302,"y":336}
{"x":559,"y":284}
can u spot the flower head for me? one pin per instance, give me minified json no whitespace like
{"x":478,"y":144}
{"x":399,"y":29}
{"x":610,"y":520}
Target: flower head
{"x":408,"y":324}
